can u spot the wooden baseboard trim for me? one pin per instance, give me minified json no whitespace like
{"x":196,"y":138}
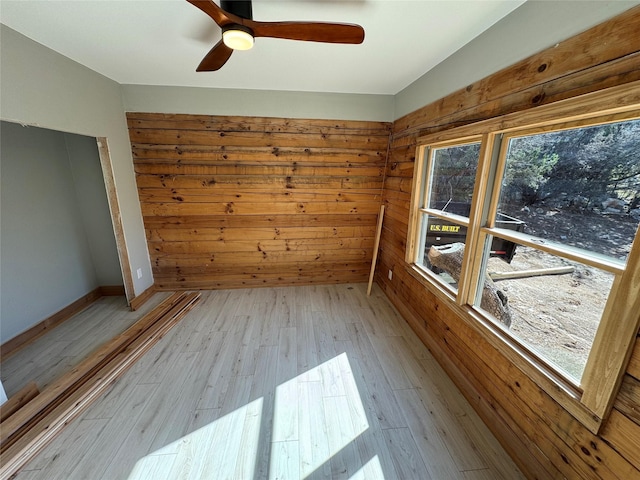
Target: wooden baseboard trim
{"x":140,"y":300}
{"x":30,"y":429}
{"x":112,"y":290}
{"x":16,"y":343}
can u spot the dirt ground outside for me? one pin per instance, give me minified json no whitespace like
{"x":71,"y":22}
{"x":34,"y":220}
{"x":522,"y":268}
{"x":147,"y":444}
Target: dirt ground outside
{"x":557,"y":315}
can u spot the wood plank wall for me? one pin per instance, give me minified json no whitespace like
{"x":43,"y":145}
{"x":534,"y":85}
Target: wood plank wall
{"x":245,"y":201}
{"x":545,"y":440}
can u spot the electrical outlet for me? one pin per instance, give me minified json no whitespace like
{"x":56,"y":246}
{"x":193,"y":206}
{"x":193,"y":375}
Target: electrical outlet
{"x":390,"y":274}
{"x":139,"y":272}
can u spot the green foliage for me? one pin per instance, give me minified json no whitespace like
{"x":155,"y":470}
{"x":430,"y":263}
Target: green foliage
{"x":454,"y":171}
{"x":529,"y":168}
{"x":580,"y":167}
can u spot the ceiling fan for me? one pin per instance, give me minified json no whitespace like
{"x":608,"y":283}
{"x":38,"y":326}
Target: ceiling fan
{"x":239,"y":30}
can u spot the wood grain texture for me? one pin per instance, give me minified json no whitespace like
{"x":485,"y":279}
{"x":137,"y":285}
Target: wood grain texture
{"x":139,"y":300}
{"x":18,"y":400}
{"x":286,"y":201}
{"x":49,"y":416}
{"x":59,"y":388}
{"x":286,"y":383}
{"x":116,"y":216}
{"x":542,"y":437}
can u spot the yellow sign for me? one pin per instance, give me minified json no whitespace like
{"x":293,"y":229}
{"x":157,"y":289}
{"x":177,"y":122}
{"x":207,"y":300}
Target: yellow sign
{"x":444,"y":228}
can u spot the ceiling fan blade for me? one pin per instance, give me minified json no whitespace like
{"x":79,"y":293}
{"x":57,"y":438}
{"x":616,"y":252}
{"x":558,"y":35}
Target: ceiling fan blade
{"x":308,"y":31}
{"x":218,"y":15}
{"x":216,"y":58}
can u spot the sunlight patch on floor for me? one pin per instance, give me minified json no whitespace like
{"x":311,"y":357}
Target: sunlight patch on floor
{"x":217,"y":450}
{"x":372,"y":470}
{"x":315,"y":416}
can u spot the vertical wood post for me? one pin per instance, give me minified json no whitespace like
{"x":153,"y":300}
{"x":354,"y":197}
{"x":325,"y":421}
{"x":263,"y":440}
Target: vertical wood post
{"x":375,"y":250}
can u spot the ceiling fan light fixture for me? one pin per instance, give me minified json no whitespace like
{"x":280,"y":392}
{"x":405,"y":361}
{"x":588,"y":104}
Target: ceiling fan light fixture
{"x":239,"y":29}
{"x":237,"y":37}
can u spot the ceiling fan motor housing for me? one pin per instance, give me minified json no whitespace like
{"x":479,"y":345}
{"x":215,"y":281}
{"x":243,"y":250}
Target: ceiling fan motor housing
{"x":241,"y":8}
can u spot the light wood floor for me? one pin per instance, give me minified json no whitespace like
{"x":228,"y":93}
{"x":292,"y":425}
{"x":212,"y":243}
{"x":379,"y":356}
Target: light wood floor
{"x":281,"y":383}
{"x":65,"y":346}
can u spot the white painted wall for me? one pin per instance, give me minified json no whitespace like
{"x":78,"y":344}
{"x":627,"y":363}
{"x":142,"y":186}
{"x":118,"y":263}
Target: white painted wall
{"x":94,"y":207}
{"x":531,"y":28}
{"x":45,"y":259}
{"x":3,"y":395}
{"x":40,"y":87}
{"x":257,"y":103}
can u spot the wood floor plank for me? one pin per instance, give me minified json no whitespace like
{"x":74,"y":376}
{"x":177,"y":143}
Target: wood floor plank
{"x":201,"y":418}
{"x":433,"y":449}
{"x":357,"y":412}
{"x":372,"y":470}
{"x":146,"y":428}
{"x":245,"y":361}
{"x":189,"y":338}
{"x":287,"y":368}
{"x":264,"y":386}
{"x":238,"y":394}
{"x":193,"y":459}
{"x":101,"y":453}
{"x":157,"y":467}
{"x":284,"y":308}
{"x":463,"y":449}
{"x":333,"y":387}
{"x":380,"y":318}
{"x":428,"y":378}
{"x":223,"y":309}
{"x":22,"y":364}
{"x":220,"y":375}
{"x":250,"y":458}
{"x":489,"y":449}
{"x":313,"y":439}
{"x":285,"y":461}
{"x":445,"y":423}
{"x":374,"y":450}
{"x":176,"y":410}
{"x":74,"y":437}
{"x":345,"y":458}
{"x":390,"y":362}
{"x":307,"y":352}
{"x":269,"y":320}
{"x":405,"y":454}
{"x":482,"y":474}
{"x":328,"y":369}
{"x":285,"y":419}
{"x":367,"y":368}
{"x":153,"y":366}
{"x":171,"y":461}
{"x":28,"y":475}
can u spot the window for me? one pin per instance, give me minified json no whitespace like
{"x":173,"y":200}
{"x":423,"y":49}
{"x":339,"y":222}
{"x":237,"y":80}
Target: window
{"x":531,"y":229}
{"x":446,"y":202}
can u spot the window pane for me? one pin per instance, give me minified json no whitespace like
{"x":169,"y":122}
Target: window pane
{"x":453,"y":175}
{"x":556,"y":314}
{"x":580,"y":187}
{"x":438,"y":232}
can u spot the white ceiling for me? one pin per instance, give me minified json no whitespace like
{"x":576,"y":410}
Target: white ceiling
{"x":161,"y":42}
